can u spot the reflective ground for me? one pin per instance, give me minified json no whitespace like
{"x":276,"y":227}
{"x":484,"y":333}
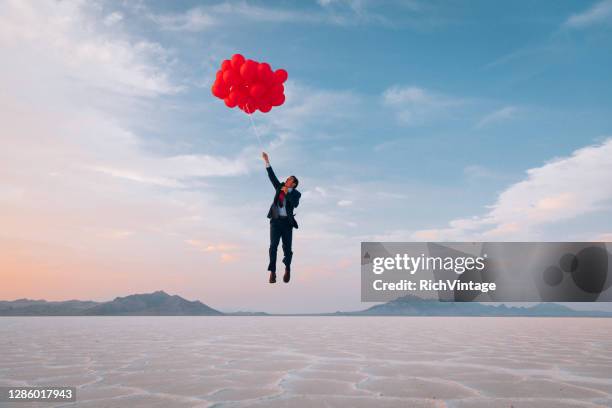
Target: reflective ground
{"x":312,"y":361}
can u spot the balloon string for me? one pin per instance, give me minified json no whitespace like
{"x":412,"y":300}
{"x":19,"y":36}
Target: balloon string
{"x":255,"y":130}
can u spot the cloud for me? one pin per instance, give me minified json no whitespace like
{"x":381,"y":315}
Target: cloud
{"x":226,"y":252}
{"x":307,"y":105}
{"x":206,"y":17}
{"x":331,"y":12}
{"x":207,"y":247}
{"x":478,"y":173}
{"x":85,"y":52}
{"x":561,"y":190}
{"x":115,"y":233}
{"x":136,"y":177}
{"x":308,"y":113}
{"x":497,"y":116}
{"x":346,"y":12}
{"x":113,"y":18}
{"x":195,"y":19}
{"x":599,"y":13}
{"x":415,"y":106}
{"x":174,"y":170}
{"x":345,"y":203}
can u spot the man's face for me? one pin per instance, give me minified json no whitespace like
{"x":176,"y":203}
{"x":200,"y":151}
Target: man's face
{"x":290,"y":182}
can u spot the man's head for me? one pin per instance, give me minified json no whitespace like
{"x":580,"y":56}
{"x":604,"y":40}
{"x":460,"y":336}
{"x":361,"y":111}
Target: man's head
{"x":292,"y":182}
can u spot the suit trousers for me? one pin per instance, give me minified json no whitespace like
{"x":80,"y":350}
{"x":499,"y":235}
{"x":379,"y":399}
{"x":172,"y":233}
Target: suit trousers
{"x":280,"y":228}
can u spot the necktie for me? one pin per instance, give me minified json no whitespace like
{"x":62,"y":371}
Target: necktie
{"x":281,"y":198}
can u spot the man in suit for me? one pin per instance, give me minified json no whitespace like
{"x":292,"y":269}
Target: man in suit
{"x":282,"y":220}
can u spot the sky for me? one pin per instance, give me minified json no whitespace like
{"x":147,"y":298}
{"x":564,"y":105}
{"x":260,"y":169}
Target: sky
{"x":408,"y":120}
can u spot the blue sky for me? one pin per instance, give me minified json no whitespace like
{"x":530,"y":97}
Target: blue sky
{"x":405,"y":120}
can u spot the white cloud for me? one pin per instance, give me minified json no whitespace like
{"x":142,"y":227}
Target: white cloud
{"x":560,"y":190}
{"x":475,"y":172}
{"x":331,"y":12}
{"x":68,"y":41}
{"x":345,"y":203}
{"x":305,"y":111}
{"x":315,"y":106}
{"x":345,"y":12}
{"x":499,"y":115}
{"x":414,"y":105}
{"x":170,"y":171}
{"x":113,"y":18}
{"x":599,"y":13}
{"x":195,"y":19}
{"x":114,"y":233}
{"x":226,"y":252}
{"x":205,"y":17}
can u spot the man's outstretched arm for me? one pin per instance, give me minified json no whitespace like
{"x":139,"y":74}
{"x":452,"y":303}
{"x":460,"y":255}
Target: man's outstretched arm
{"x":271,"y":174}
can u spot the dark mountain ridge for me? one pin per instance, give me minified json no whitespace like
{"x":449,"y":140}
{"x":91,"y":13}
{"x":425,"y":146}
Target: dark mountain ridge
{"x":414,"y":306}
{"x":148,"y":304}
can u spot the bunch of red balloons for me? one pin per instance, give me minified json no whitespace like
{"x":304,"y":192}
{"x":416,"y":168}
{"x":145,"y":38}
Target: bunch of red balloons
{"x":249,"y":84}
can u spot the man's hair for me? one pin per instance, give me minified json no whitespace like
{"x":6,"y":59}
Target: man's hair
{"x":296,"y":181}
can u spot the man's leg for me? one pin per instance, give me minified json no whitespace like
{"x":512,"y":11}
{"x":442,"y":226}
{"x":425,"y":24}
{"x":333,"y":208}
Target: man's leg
{"x":287,"y":236}
{"x":275,"y":236}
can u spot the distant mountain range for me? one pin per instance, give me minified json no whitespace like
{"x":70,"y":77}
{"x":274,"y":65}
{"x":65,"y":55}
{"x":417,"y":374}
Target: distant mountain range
{"x":162,"y":304}
{"x":413,"y":306}
{"x":150,"y":304}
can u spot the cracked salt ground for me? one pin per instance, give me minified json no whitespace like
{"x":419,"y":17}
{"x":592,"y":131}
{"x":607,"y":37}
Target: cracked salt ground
{"x":312,"y":361}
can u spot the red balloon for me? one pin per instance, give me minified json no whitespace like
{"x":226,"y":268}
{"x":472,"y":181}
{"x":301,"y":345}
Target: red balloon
{"x":257,"y":91}
{"x":248,"y":71}
{"x":220,"y":82}
{"x":265,"y":107}
{"x":241,"y":96}
{"x":280,"y":76}
{"x":229,"y":102}
{"x":237,"y":61}
{"x":233,"y":98}
{"x":225,"y":65}
{"x":277,"y":100}
{"x":250,"y":106}
{"x":264,"y":72}
{"x":230,"y":77}
{"x":277,"y":89}
{"x":219,"y":91}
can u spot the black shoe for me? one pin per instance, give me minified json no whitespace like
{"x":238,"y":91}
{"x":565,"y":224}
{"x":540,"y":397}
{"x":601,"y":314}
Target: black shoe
{"x":272,"y":277}
{"x":287,"y":275}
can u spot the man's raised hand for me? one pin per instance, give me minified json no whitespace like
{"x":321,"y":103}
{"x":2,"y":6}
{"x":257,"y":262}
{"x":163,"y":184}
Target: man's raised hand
{"x":265,"y":157}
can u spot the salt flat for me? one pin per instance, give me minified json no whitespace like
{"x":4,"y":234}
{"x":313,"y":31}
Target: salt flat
{"x":312,"y":361}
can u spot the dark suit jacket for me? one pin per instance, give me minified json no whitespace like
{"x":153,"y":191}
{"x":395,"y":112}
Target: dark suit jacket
{"x":292,"y":199}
